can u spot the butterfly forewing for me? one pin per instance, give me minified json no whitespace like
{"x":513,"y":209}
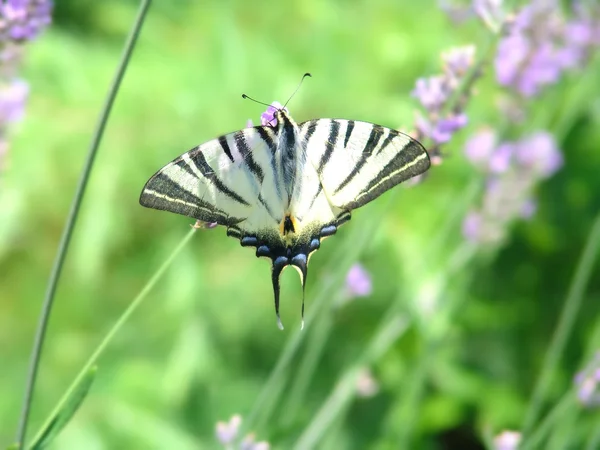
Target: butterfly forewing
{"x":221,"y":181}
{"x":359,"y":161}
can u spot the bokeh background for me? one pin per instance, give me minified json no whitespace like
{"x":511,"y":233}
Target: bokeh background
{"x":445,"y":348}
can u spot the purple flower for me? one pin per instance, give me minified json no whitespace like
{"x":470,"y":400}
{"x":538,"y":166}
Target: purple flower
{"x":12,"y":101}
{"x":471,"y":227}
{"x":579,"y":32}
{"x":20,"y":20}
{"x":358,"y":281}
{"x":510,"y":57}
{"x":587,"y":382}
{"x":480,"y":146}
{"x":440,"y":131}
{"x":512,"y":170}
{"x":268,"y":117}
{"x":580,"y":36}
{"x":458,"y":61}
{"x":442,"y":120}
{"x":431,"y":92}
{"x":501,"y":158}
{"x":543,"y":67}
{"x":540,"y":153}
{"x":528,"y":208}
{"x":23,"y":19}
{"x":541,"y":44}
{"x":452,"y":123}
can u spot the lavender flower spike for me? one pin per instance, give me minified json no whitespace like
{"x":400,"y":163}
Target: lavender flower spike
{"x":540,"y":153}
{"x":457,"y":61}
{"x":22,"y":20}
{"x":443,"y":120}
{"x":12,"y":101}
{"x":431,"y":92}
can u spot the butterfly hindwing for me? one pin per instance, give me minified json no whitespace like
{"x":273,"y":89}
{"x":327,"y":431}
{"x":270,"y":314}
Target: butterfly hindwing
{"x":358,"y":161}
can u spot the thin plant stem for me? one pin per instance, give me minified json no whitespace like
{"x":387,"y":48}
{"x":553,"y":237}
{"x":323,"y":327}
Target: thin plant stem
{"x":593,"y":441}
{"x":546,"y":426}
{"x":392,"y":328}
{"x":42,"y":326}
{"x":565,"y":324}
{"x":433,"y":337}
{"x":310,"y":361}
{"x":119,"y":323}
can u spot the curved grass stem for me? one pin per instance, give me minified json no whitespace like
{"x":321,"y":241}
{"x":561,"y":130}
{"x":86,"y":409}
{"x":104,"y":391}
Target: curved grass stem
{"x":70,"y":225}
{"x":119,"y":323}
{"x":565,"y":325}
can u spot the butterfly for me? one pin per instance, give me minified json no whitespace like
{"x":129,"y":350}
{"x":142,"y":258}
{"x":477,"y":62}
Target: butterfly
{"x":285,"y":186}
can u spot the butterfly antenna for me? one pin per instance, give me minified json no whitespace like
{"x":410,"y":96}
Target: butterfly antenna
{"x":244,"y":96}
{"x":299,"y":84}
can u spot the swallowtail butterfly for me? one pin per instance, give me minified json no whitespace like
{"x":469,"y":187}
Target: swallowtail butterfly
{"x":283,"y":188}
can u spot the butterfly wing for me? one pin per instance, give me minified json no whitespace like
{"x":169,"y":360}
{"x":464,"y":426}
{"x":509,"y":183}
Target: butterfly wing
{"x":358,"y":161}
{"x":227,"y":180}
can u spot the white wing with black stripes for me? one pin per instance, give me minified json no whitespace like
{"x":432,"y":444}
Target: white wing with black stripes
{"x":359,"y":161}
{"x":282,"y":189}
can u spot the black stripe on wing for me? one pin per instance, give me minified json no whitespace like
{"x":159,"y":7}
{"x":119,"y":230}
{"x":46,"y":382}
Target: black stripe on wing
{"x":349,"y":128}
{"x":161,"y":192}
{"x":387,"y":141}
{"x":374,"y":137}
{"x":410,"y":161}
{"x":267,"y":135}
{"x":225,"y":146}
{"x":244,"y":149}
{"x":183,"y":165}
{"x":199,"y":160}
{"x":334,"y":133}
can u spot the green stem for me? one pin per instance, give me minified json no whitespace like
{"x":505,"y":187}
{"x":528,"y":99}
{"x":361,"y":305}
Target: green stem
{"x":310,"y":360}
{"x":593,"y":441}
{"x":389,"y":332}
{"x":42,"y":326}
{"x":118,"y":324}
{"x":547,"y":425}
{"x":566,"y":321}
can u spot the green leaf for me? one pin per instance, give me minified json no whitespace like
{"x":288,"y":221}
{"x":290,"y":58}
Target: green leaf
{"x":14,"y":446}
{"x":62,"y":417}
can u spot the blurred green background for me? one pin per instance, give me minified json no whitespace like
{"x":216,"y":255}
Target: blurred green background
{"x":203,"y":344}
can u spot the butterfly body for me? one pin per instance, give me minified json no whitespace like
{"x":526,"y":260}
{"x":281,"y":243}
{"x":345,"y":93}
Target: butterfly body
{"x":284,"y":188}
